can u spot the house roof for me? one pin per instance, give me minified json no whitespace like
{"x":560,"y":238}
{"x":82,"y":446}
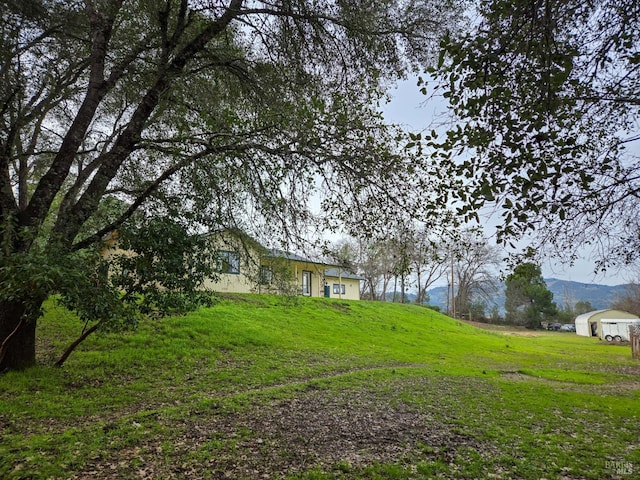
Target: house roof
{"x":337,"y":273}
{"x":298,"y":258}
{"x":334,"y":271}
{"x":291,"y":256}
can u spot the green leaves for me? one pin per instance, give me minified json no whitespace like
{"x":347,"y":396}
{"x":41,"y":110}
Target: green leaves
{"x":544,"y":102}
{"x":528,"y":300}
{"x":161,"y":267}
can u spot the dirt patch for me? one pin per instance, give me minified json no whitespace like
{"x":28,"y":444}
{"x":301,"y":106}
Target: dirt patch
{"x":315,"y":429}
{"x":321,"y":429}
{"x":517,"y":376}
{"x":620,"y":388}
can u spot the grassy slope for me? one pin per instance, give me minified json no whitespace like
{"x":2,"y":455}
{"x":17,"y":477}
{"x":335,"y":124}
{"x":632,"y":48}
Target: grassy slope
{"x":505,"y":405}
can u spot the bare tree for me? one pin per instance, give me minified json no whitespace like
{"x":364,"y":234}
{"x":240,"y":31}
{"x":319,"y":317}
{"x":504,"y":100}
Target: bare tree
{"x":371,"y":268}
{"x":429,"y":261}
{"x":630,"y":300}
{"x":475,"y":268}
{"x":410,"y":256}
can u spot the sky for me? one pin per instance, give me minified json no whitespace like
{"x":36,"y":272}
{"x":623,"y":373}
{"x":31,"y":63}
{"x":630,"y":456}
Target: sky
{"x":410,"y":109}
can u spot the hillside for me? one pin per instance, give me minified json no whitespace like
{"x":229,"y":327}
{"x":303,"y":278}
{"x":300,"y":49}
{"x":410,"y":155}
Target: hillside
{"x":301,"y":389}
{"x":600,"y":296}
{"x":564,"y":291}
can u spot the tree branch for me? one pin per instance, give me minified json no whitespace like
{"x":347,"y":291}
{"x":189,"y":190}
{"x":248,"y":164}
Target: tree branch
{"x":5,"y":343}
{"x":71,"y":219}
{"x":148,"y":191}
{"x":77,"y":342}
{"x":51,"y":182}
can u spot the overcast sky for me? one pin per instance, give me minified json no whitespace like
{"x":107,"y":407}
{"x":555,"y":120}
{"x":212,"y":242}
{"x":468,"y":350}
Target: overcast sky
{"x":410,"y":109}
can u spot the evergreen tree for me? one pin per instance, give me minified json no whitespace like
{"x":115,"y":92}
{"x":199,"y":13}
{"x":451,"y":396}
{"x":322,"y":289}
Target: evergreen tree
{"x":528,"y":300}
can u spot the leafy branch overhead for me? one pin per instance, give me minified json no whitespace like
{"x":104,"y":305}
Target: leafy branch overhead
{"x":546,"y":96}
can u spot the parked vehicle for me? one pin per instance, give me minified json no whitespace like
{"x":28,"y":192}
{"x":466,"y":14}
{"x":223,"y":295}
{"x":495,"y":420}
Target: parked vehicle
{"x":568,"y":327}
{"x":554,"y":326}
{"x":616,"y":329}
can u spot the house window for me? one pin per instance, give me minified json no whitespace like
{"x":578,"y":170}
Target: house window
{"x":339,"y":289}
{"x":228,"y":262}
{"x":266,"y":275}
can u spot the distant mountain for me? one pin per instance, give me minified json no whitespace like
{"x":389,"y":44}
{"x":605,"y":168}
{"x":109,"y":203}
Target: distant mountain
{"x":564,"y":292}
{"x":600,"y":296}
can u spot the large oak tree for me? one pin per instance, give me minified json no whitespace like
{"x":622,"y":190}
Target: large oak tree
{"x":209,"y":112}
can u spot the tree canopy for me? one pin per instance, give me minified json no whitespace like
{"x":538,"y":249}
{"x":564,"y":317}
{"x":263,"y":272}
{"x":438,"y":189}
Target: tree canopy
{"x":212,"y":112}
{"x":546,"y":96}
{"x":528,"y":301}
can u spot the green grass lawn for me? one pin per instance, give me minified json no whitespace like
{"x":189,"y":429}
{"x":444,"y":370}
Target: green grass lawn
{"x":268,"y":387}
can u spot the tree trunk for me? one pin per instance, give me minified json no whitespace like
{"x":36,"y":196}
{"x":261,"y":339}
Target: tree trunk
{"x":77,"y":342}
{"x":385,"y":285}
{"x":395,"y":288}
{"x":17,"y":338}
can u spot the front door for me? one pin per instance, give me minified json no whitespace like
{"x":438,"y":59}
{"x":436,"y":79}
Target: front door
{"x":306,"y":283}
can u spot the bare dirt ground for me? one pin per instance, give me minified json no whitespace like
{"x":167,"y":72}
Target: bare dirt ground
{"x":315,"y":429}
